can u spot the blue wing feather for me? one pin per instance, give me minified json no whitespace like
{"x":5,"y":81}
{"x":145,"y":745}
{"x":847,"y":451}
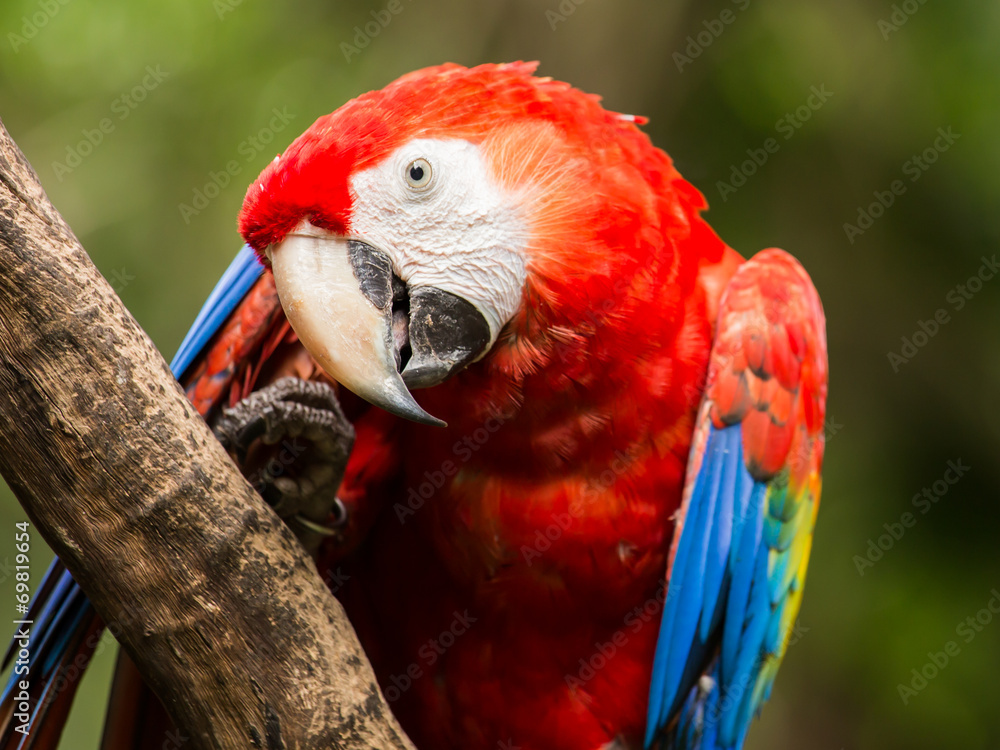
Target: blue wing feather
{"x":722,"y":530}
{"x":740,"y":690}
{"x":61,"y":611}
{"x":242,"y":273}
{"x":724,"y":621}
{"x":721,"y":564}
{"x":745,"y":527}
{"x":662,"y":691}
{"x":742,"y":571}
{"x":689,"y":607}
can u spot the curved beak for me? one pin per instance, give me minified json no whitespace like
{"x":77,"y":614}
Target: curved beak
{"x":365,"y":328}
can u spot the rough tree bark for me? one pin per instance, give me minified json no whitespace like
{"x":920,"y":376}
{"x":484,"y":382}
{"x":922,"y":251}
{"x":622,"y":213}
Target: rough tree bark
{"x":238,"y":636}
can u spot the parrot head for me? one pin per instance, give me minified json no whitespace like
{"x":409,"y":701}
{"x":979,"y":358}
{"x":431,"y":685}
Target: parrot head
{"x":456,"y":213}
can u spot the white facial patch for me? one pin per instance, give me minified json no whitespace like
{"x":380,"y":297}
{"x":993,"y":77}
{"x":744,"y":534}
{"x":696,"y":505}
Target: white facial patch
{"x":454,"y":229}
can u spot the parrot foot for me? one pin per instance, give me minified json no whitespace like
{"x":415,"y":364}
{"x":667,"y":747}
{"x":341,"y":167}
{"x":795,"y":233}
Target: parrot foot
{"x":292,"y":441}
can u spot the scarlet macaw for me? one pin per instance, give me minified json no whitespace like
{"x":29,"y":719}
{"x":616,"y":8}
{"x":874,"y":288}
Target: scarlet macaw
{"x":605,"y":546}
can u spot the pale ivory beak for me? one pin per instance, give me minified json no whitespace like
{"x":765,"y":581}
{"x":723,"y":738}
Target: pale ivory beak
{"x":346,"y":329}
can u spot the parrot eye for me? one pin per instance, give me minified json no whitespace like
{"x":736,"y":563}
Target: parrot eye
{"x":418,"y":174}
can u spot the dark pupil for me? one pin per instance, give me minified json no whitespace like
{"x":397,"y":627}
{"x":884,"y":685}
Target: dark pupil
{"x":416,"y":173}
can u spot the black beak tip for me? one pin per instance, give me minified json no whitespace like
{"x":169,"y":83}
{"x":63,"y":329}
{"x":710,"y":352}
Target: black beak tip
{"x":446,"y":333}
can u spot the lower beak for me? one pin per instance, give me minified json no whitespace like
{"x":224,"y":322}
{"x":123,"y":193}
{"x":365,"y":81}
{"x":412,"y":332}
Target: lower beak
{"x":365,"y":328}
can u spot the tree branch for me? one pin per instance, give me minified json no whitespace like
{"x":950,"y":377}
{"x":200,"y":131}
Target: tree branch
{"x":238,"y":636}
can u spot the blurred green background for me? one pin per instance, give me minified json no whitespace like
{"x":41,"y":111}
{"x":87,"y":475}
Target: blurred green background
{"x":716,"y":79}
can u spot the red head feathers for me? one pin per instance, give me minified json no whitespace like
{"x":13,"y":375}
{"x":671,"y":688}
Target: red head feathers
{"x":615,"y":238}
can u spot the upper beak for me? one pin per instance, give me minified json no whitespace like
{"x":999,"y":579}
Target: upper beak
{"x":365,"y":328}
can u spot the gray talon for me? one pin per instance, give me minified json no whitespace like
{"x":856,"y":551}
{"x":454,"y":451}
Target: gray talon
{"x":292,"y":441}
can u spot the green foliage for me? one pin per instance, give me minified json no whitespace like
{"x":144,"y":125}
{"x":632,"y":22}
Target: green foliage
{"x":210,"y":74}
